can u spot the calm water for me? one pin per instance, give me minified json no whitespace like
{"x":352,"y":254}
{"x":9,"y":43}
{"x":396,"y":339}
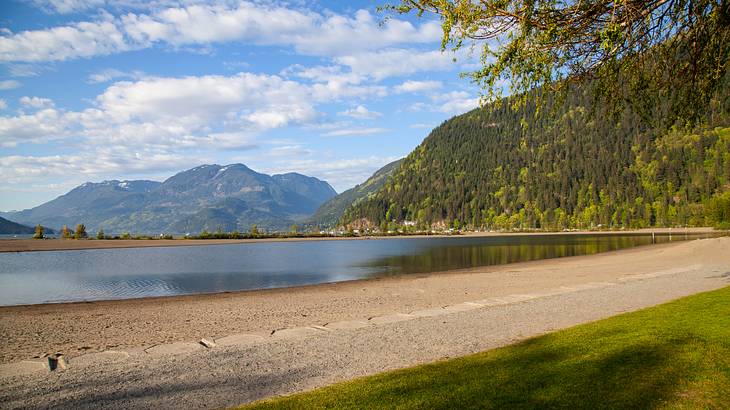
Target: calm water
{"x":38,"y":277}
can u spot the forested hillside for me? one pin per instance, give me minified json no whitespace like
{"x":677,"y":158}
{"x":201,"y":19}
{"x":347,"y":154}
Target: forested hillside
{"x":572,"y":164}
{"x":330,"y":212}
{"x":12,"y":228}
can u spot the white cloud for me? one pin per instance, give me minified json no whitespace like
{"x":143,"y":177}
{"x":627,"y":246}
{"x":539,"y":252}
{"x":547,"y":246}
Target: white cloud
{"x":455,"y":102}
{"x":351,"y":132}
{"x":276,"y":117}
{"x":240,"y":141}
{"x":307,"y":32}
{"x":203,"y":97}
{"x":100,"y":162}
{"x":396,"y":62}
{"x":67,"y":6}
{"x":24,"y":70}
{"x":203,"y":24}
{"x":9,"y":84}
{"x":186,"y":112}
{"x":37,"y":127}
{"x":339,"y":35}
{"x":360,"y":113}
{"x":332,"y":83}
{"x":342,"y":174}
{"x":235,"y":65}
{"x":289,"y":151}
{"x":334,"y":90}
{"x":110,"y":74}
{"x":36,"y":102}
{"x":79,"y":6}
{"x":323,"y":74}
{"x":411,"y":86}
{"x":85,"y":39}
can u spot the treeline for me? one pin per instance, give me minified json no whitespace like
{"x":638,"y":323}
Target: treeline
{"x":565,"y":163}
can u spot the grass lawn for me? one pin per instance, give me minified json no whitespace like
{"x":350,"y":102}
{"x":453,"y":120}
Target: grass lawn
{"x":675,"y":355}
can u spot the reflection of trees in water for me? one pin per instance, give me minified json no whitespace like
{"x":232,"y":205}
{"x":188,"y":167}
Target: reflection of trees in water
{"x":519,"y":249}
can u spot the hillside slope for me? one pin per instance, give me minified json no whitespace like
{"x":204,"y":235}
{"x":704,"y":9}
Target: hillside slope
{"x":573,"y":165}
{"x":12,"y":228}
{"x":330,"y":212}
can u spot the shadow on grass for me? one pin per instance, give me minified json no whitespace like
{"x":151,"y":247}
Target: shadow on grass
{"x":542,"y":376}
{"x":676,"y":354}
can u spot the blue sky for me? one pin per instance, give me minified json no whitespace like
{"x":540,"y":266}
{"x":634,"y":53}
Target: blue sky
{"x":93,"y":90}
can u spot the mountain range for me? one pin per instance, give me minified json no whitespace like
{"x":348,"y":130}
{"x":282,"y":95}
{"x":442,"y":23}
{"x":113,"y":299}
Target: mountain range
{"x":574,"y":162}
{"x":208,"y":197}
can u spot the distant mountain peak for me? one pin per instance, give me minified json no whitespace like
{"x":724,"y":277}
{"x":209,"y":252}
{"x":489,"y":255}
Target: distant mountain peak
{"x":208,"y":196}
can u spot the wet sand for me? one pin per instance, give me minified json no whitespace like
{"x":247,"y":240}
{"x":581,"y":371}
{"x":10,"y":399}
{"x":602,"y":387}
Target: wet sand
{"x":77,"y":328}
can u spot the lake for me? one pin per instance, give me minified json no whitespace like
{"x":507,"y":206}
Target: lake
{"x":101,"y":274}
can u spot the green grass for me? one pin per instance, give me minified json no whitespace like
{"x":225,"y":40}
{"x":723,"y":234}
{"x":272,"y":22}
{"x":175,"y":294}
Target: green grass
{"x":675,"y":355}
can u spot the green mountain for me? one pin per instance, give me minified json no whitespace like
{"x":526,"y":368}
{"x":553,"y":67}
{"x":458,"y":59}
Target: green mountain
{"x":573,"y":164}
{"x":206,"y":197}
{"x":331,"y":211}
{"x":12,"y":228}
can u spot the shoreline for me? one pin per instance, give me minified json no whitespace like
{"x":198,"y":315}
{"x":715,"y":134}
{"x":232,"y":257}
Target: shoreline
{"x":325,"y":286}
{"x":77,"y":328}
{"x":47,"y":245}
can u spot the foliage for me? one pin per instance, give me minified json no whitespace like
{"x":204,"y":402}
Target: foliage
{"x":576,"y":164}
{"x":254,"y":230}
{"x":675,"y":355}
{"x":329,"y":213}
{"x":66,"y":233}
{"x":534,"y":44}
{"x":80,"y":232}
{"x":717,"y":210}
{"x":100,"y":234}
{"x":38,"y":232}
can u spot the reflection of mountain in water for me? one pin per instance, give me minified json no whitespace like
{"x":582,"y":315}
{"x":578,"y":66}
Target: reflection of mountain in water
{"x":37,"y":277}
{"x":489,"y":251}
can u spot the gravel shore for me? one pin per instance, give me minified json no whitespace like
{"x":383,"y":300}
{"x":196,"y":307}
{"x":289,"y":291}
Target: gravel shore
{"x":78,"y":328}
{"x":297,"y":339}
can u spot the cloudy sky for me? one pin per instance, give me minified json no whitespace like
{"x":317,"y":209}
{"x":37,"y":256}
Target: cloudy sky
{"x":132,"y":89}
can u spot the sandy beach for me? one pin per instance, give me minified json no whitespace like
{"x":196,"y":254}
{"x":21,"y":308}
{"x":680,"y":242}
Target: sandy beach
{"x":269,"y":343}
{"x":78,"y":328}
{"x":31,"y":245}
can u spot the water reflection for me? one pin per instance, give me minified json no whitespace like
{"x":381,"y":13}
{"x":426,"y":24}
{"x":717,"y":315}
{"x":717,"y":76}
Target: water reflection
{"x":473,"y":252}
{"x":38,"y":277}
